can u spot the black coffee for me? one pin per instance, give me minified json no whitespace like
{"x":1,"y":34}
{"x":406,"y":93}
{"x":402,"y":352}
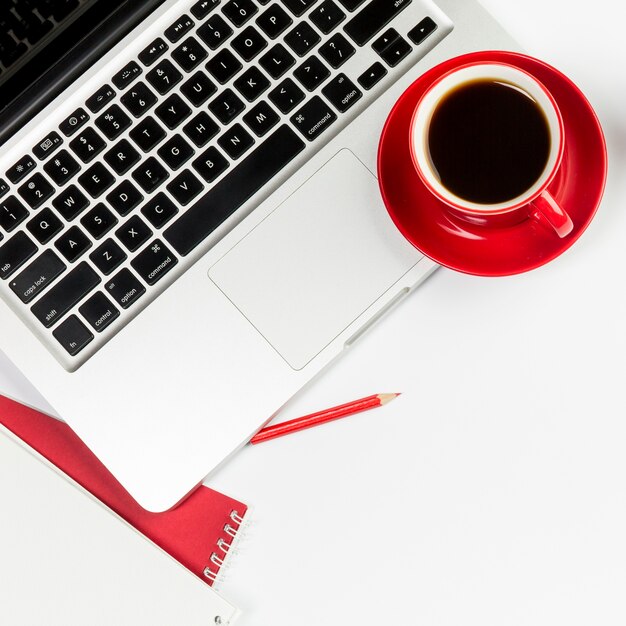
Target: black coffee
{"x":489,"y":141}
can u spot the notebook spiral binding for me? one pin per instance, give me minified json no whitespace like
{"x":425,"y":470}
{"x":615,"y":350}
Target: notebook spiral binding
{"x":211,"y":571}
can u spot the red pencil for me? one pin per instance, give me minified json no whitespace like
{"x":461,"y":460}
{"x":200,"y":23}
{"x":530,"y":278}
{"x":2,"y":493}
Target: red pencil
{"x":321,"y":417}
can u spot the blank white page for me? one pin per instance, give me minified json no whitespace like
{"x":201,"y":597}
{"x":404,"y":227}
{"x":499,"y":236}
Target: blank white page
{"x":55,"y":537}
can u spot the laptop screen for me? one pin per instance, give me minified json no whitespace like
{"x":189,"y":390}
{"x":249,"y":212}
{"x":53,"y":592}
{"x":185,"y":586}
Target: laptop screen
{"x":44,"y":44}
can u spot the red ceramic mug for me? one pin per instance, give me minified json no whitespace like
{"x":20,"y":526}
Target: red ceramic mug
{"x":535,"y":202}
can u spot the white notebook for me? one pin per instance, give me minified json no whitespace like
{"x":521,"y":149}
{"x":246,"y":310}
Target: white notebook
{"x":66,"y":560}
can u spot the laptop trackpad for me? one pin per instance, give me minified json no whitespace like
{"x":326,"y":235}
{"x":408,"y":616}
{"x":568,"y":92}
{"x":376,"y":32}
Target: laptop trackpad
{"x":317,"y":262}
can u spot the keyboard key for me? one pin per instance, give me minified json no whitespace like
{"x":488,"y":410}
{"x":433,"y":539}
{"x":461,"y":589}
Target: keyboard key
{"x":74,"y":122}
{"x":274,"y":21}
{"x":312,"y":73}
{"x":261,"y":119}
{"x":21,"y":169}
{"x":96,"y":180}
{"x":69,"y":291}
{"x":226,"y":106}
{"x":153,"y":52}
{"x":198,"y":89}
{"x":164,"y":76}
{"x":302,"y":38}
{"x":147,"y":134}
{"x":4,"y":187}
{"x":342,"y":92}
{"x":223,"y":66}
{"x":12,"y":213}
{"x":235,"y":141}
{"x":286,"y":96}
{"x":73,"y":335}
{"x":425,"y":28}
{"x":313,"y":118}
{"x":173,"y":111}
{"x":47,"y":145}
{"x":113,"y":122}
{"x":252,"y":83}
{"x":125,"y":288}
{"x":36,"y":191}
{"x":99,"y":312}
{"x":179,"y":28}
{"x":73,"y":243}
{"x":15,"y":252}
{"x":134,"y":233}
{"x":159,"y":210}
{"x":62,"y":167}
{"x":327,"y":16}
{"x":39,"y":275}
{"x":150,"y":174}
{"x":396,"y":51}
{"x":127,"y":75}
{"x":298,"y":7}
{"x":210,"y":164}
{"x":215,"y":32}
{"x":44,"y":226}
{"x":248,"y":43}
{"x":277,"y":61}
{"x":185,"y":187}
{"x":239,"y":11}
{"x":70,"y":202}
{"x":176,"y":152}
{"x":125,"y":197}
{"x":372,"y":18}
{"x":122,"y":157}
{"x":100,"y":99}
{"x":139,"y":99}
{"x":259,"y":167}
{"x":189,"y":54}
{"x":385,"y":39}
{"x":87,"y":145}
{"x":201,"y":9}
{"x":154,"y":262}
{"x":99,"y":221}
{"x":374,"y":74}
{"x":107,"y":257}
{"x":201,"y":129}
{"x":337,"y":50}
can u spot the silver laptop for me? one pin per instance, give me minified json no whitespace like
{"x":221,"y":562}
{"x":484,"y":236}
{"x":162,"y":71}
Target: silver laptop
{"x":190,"y":222}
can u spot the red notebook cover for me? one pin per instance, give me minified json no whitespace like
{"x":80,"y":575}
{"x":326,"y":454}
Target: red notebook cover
{"x":198,"y":533}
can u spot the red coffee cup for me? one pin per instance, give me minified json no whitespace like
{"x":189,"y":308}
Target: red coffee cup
{"x":535,"y":201}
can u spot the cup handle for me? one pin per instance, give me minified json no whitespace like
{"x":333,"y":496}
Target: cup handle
{"x":546,"y":209}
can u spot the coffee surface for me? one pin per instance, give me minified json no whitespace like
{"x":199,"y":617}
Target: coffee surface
{"x":489,"y":141}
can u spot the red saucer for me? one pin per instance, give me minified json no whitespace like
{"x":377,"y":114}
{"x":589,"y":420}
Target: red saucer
{"x":479,"y":250}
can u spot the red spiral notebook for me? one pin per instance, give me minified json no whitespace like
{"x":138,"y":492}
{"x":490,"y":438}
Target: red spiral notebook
{"x":198,"y":533}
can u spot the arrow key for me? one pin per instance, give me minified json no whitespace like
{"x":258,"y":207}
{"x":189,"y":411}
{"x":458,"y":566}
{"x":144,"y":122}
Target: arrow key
{"x":388,"y":37}
{"x":425,"y":28}
{"x":372,"y":75}
{"x":396,"y":51}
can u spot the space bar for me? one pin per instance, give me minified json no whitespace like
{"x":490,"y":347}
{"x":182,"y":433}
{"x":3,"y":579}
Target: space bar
{"x":200,"y":220}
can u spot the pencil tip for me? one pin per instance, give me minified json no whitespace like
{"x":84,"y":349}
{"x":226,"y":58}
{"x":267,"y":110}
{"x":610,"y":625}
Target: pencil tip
{"x":387,"y":397}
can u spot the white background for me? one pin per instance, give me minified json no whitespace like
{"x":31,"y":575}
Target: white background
{"x":493,"y":491}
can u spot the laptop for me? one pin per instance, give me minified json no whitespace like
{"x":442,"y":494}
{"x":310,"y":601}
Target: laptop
{"x":190,"y":221}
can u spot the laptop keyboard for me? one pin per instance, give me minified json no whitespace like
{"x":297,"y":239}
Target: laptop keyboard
{"x":155,"y":160}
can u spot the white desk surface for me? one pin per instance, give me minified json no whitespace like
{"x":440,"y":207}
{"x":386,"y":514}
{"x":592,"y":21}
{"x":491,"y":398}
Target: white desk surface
{"x":492,"y":492}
